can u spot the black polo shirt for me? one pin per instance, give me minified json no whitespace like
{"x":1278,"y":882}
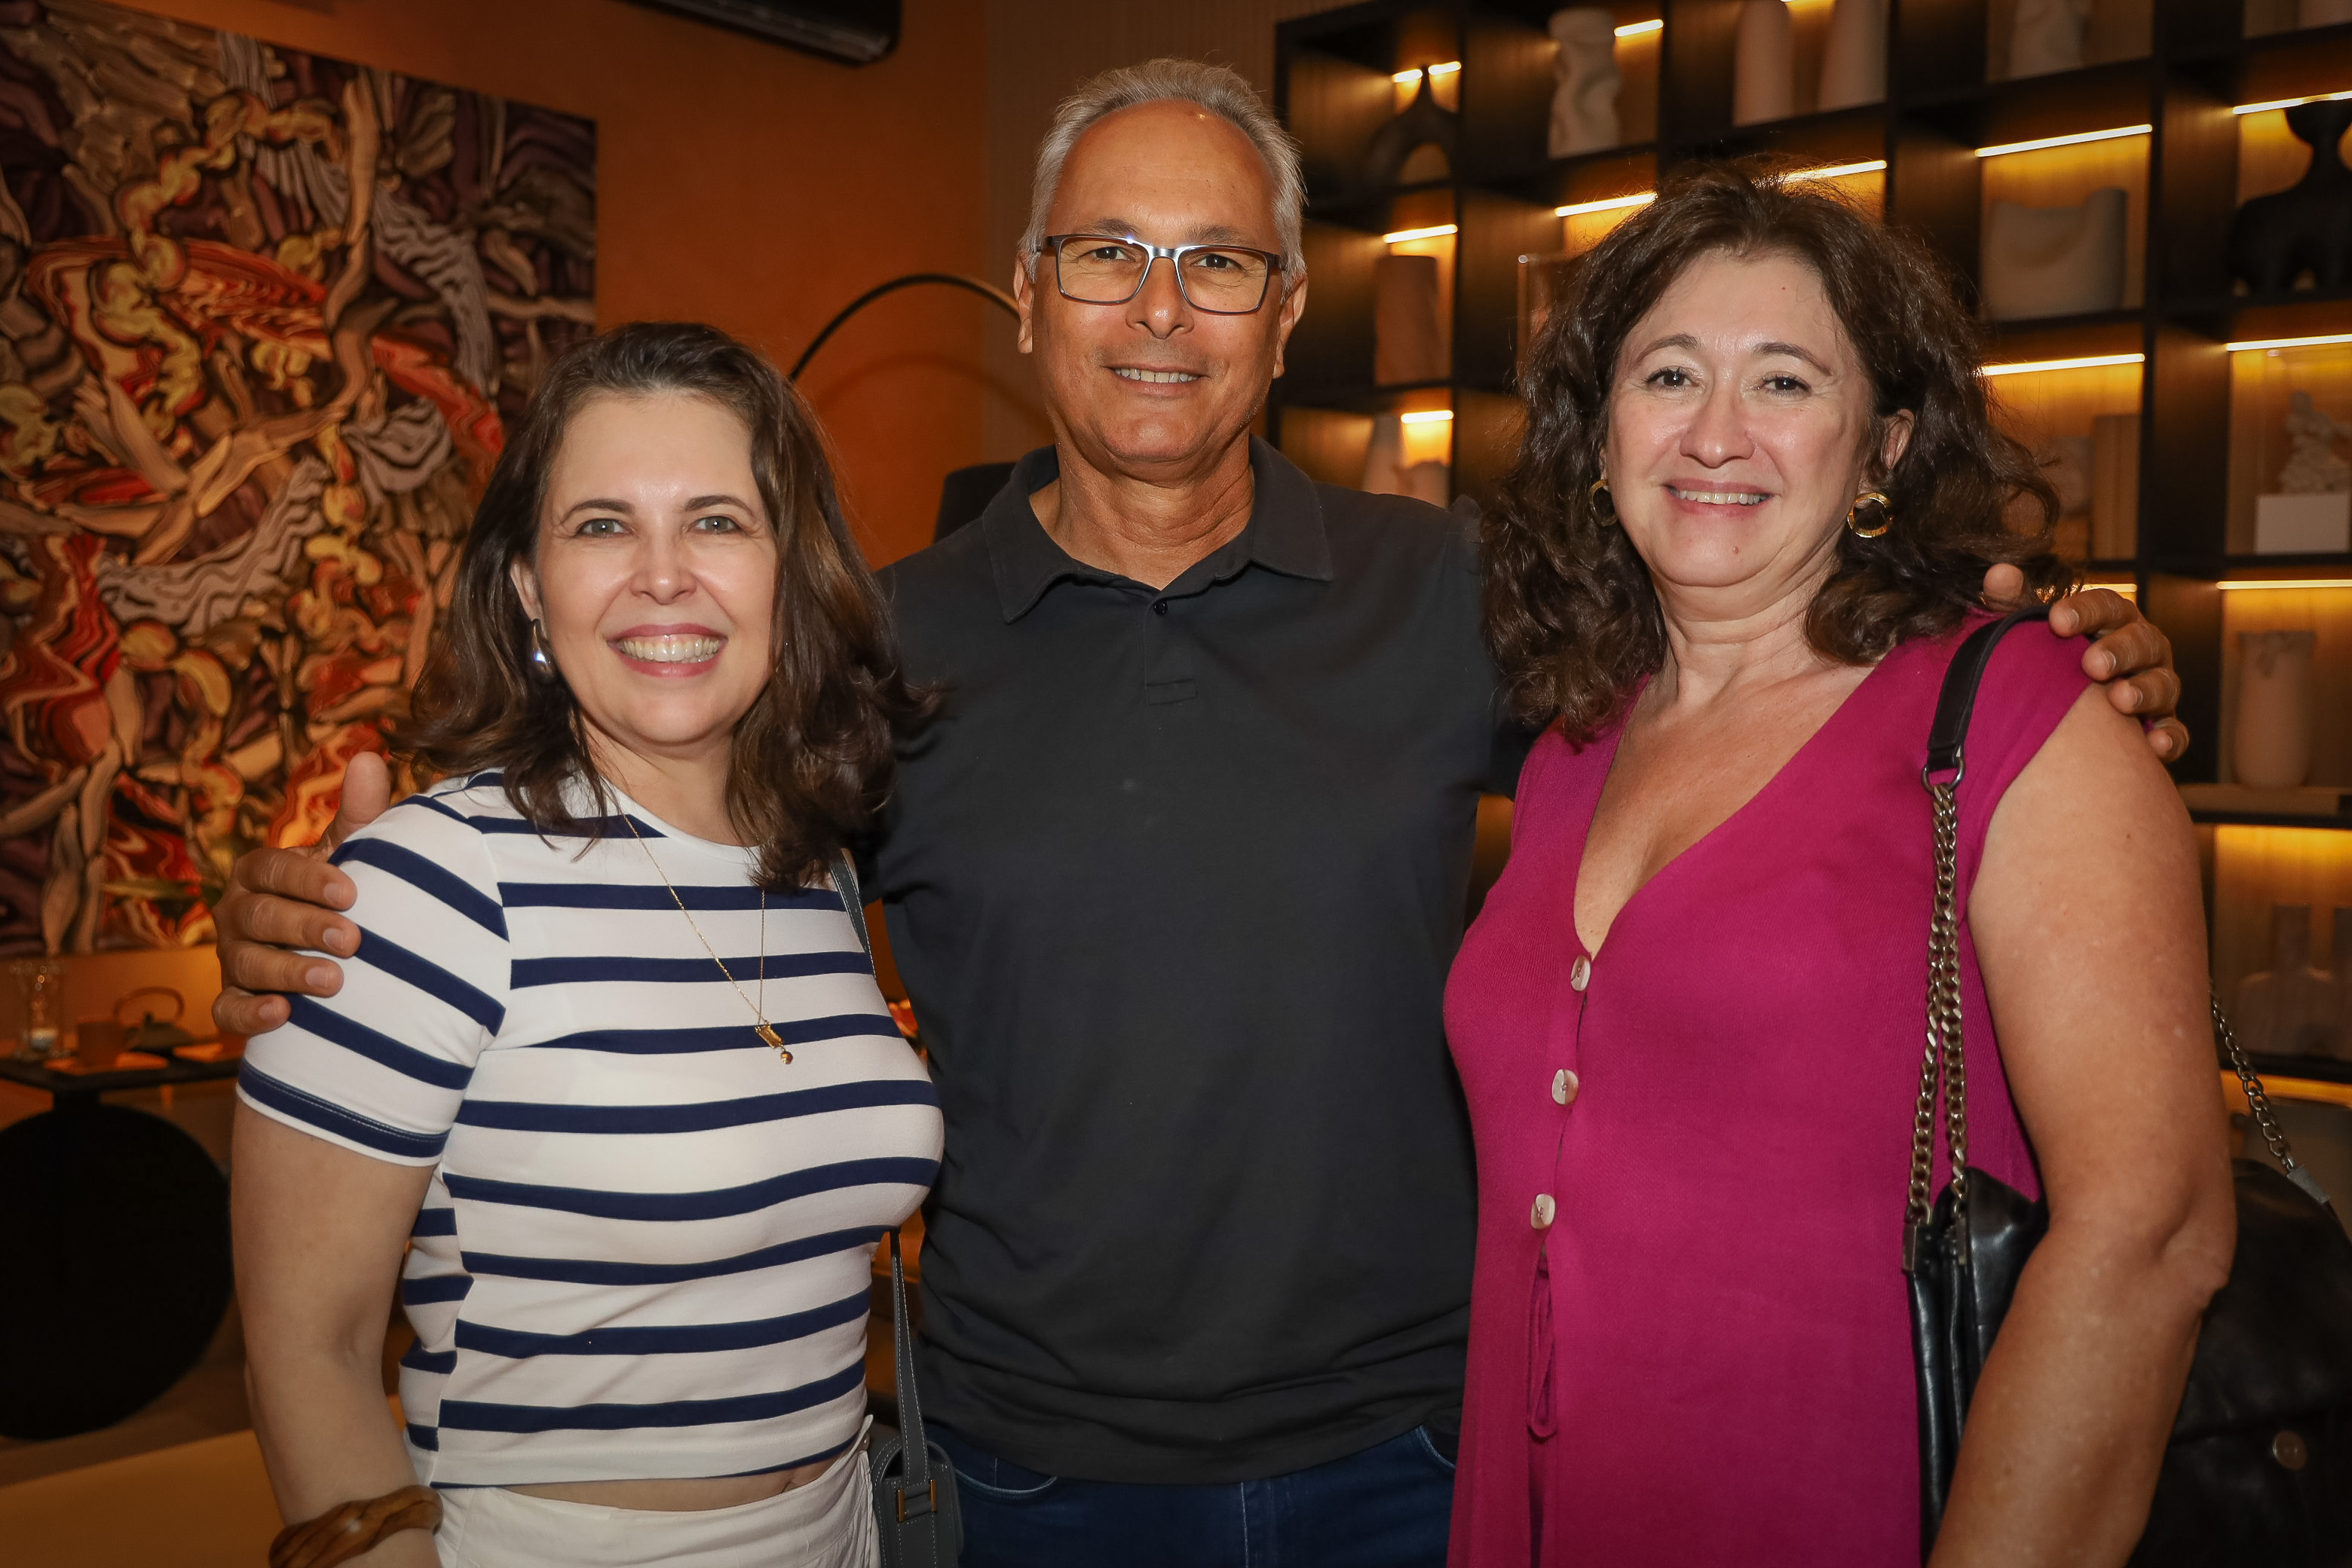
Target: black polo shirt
{"x":1173,"y":882}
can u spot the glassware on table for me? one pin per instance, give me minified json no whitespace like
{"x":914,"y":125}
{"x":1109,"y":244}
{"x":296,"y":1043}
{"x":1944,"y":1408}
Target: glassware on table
{"x":41,"y":991}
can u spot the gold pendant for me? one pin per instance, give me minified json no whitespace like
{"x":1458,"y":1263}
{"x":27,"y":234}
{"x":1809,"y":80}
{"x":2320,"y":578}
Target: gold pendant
{"x":769,"y":1034}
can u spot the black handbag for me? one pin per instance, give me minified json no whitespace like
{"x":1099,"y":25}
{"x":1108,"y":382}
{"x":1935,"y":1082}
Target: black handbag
{"x":916,"y":1515}
{"x":2259,"y":1469}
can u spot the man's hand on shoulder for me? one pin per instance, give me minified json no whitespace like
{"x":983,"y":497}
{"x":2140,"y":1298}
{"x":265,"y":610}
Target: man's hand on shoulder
{"x":282,"y":901}
{"x":2128,"y":655}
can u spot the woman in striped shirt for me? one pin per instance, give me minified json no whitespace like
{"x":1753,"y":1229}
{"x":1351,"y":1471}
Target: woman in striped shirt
{"x":608,"y":1096}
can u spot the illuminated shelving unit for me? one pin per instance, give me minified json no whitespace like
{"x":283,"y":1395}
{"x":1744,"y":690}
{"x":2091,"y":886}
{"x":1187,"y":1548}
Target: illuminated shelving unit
{"x":2186,"y":115}
{"x":2179,"y":107}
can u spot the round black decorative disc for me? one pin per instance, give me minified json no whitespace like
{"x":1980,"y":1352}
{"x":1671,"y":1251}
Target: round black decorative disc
{"x":114,"y":1266}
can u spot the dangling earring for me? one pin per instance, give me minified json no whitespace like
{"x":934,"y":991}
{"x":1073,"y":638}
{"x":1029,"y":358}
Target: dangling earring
{"x":543,"y":666}
{"x":1885,"y":514}
{"x":1603,"y":502}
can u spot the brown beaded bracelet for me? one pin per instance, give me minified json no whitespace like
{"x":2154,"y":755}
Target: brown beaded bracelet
{"x":354,"y":1529}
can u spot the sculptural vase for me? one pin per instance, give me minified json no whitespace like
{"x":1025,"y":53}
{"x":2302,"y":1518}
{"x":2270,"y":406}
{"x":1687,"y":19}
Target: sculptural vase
{"x":2290,"y":1008}
{"x":1389,"y":470}
{"x":1585,"y":82}
{"x":2307,"y":228}
{"x":2047,"y":37}
{"x":1853,"y":61}
{"x":2055,"y":261}
{"x":2271,"y":738}
{"x":1763,"y":78}
{"x":1424,"y":122}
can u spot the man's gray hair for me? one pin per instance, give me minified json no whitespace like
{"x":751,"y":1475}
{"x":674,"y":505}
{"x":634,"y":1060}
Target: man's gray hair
{"x":1217,"y":89}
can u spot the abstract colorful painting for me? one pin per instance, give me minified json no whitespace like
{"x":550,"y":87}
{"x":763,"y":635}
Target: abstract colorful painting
{"x":262,"y":316}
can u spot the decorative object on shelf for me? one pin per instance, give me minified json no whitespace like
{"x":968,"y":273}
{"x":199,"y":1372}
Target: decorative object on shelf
{"x":2115,"y":485}
{"x":2047,"y":37}
{"x":2291,"y":1008}
{"x":2066,"y":462}
{"x":1408,"y":329}
{"x":1585,"y":82}
{"x":2311,"y":509}
{"x":2271,"y":745}
{"x":1424,"y":122}
{"x":1853,"y":61}
{"x":2055,"y":261}
{"x":1763,"y":75}
{"x":1387,"y":473}
{"x":41,"y":1006}
{"x":2307,"y":228}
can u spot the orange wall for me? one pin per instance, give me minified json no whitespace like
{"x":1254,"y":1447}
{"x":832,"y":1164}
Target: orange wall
{"x":749,"y":185}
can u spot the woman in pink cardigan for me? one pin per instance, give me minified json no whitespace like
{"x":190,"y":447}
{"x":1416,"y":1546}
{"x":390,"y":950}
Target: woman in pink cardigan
{"x":1759,"y":492}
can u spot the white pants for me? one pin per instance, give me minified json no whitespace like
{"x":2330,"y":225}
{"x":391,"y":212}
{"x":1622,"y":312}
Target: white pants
{"x":826,"y":1523}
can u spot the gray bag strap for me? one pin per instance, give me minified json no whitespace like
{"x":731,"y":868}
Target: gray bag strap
{"x":844,"y":872}
{"x":916,"y":1480}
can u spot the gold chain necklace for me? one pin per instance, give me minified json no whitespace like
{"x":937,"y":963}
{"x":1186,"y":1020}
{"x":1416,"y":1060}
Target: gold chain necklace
{"x":765,"y":1030}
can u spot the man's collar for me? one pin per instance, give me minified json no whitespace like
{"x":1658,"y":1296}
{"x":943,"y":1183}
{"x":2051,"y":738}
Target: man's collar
{"x":1284,"y":532}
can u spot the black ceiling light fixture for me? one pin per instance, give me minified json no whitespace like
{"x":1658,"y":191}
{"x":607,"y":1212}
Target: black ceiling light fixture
{"x":858,"y":32}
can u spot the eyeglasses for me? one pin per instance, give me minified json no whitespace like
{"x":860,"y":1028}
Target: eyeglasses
{"x":1220,"y":280}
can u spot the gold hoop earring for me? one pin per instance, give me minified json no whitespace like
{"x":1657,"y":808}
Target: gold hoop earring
{"x":1603,"y":502}
{"x":1885,"y":514}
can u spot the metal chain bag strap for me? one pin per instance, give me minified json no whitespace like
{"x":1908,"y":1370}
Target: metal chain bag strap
{"x":2259,"y":1469}
{"x":917,"y":1516}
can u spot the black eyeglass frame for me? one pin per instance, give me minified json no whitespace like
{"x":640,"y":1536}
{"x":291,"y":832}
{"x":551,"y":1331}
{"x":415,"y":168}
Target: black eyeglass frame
{"x":1174,"y":255}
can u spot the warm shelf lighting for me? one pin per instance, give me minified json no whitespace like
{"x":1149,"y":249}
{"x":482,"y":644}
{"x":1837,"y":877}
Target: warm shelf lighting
{"x":2074,"y":140}
{"x":1838,"y":171}
{"x":2251,"y":344}
{"x":2243,"y":583}
{"x":2291,"y":102}
{"x":1606,"y":204}
{"x":2088,"y":362}
{"x":1636,"y":29}
{"x":1426,"y":417}
{"x":1442,"y":68}
{"x":1433,"y":232}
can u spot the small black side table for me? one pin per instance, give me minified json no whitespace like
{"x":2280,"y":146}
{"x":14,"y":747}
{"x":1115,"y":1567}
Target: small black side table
{"x":114,"y":1250}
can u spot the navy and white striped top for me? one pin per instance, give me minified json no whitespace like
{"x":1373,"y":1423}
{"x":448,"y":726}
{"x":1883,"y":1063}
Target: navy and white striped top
{"x":645,"y":1250}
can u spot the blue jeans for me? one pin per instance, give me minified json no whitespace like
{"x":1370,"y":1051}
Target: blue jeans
{"x":1387,"y":1507}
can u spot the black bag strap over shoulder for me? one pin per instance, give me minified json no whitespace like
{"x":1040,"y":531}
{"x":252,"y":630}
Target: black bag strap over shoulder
{"x":1946,"y":754}
{"x":1957,"y":703}
{"x":2258,"y":1473}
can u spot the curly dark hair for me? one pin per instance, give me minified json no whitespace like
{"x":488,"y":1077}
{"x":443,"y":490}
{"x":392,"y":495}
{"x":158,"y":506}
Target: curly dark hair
{"x":812,"y":758}
{"x":1571,"y":617}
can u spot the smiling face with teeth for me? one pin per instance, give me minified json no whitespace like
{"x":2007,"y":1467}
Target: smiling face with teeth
{"x":1742,"y":424}
{"x":1154,"y":389}
{"x":654,"y":582}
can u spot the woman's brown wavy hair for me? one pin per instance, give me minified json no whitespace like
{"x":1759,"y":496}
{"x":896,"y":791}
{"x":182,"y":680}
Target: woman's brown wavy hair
{"x":813,"y":757}
{"x":1571,"y":617}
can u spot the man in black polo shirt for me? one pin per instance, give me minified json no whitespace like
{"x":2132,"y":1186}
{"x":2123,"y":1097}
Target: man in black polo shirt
{"x":1174,"y":880}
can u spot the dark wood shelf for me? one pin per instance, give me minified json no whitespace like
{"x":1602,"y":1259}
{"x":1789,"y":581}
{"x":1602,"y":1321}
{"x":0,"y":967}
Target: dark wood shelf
{"x":2319,"y":1069}
{"x":2248,"y":567}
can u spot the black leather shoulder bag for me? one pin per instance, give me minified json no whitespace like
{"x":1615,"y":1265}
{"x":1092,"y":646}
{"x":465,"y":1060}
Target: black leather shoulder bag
{"x":916,"y":1515}
{"x":2259,"y":1470}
